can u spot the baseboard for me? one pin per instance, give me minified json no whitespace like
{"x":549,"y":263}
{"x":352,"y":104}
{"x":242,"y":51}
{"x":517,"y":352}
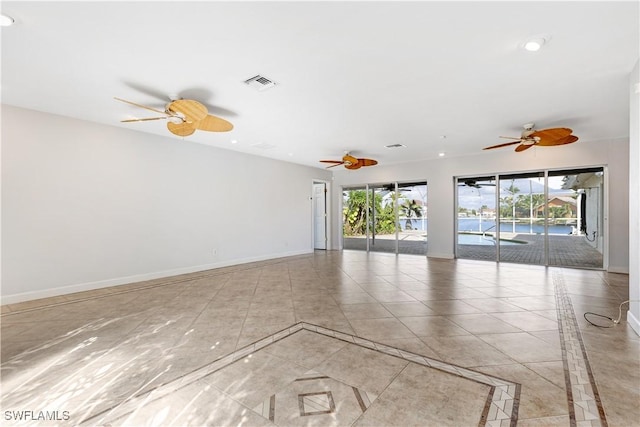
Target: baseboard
{"x":633,"y":322}
{"x":615,"y":269}
{"x":90,"y":286}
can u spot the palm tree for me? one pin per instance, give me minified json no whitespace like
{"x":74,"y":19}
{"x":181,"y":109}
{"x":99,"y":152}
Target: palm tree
{"x":409,"y":208}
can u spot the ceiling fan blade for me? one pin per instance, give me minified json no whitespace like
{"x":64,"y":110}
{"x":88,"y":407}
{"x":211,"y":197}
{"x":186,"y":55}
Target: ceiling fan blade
{"x":139,"y":105}
{"x":510,"y":137}
{"x":367,"y":162}
{"x":332,"y":161}
{"x":144,"y":120}
{"x":523,"y":147}
{"x":193,"y":111}
{"x":552,"y":134}
{"x":562,"y":141}
{"x":333,"y":166}
{"x":506,"y":144}
{"x":214,"y":124}
{"x":181,"y":129}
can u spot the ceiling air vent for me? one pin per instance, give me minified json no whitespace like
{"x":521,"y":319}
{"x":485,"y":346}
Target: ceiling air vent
{"x":260,"y":83}
{"x":395,"y":146}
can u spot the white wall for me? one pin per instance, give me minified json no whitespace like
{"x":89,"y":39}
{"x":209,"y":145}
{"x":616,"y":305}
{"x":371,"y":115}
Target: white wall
{"x":633,"y":315}
{"x":87,"y":205}
{"x":439,"y":175}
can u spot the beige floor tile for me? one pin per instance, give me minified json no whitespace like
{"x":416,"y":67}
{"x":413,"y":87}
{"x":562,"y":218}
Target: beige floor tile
{"x":450,"y":306}
{"x":306,"y":348}
{"x":432,"y":326}
{"x":378,"y":329}
{"x":365,"y":311}
{"x":427,"y":397}
{"x":523,"y":347}
{"x":361,"y":367}
{"x":482,"y":324}
{"x":406,"y":309}
{"x":466,"y":350}
{"x":252,"y":379}
{"x":492,"y":305}
{"x":527,"y":321}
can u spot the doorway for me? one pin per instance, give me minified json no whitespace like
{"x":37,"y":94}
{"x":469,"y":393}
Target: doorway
{"x":319,"y":209}
{"x":548,"y":217}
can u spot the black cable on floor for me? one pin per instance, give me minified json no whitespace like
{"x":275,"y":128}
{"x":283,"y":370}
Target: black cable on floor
{"x":612,"y":320}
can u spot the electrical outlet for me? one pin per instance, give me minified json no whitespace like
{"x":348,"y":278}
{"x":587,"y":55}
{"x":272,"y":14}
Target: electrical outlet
{"x":214,"y":252}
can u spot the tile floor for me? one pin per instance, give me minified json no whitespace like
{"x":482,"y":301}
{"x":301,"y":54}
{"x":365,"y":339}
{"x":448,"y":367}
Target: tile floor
{"x":332,"y":338}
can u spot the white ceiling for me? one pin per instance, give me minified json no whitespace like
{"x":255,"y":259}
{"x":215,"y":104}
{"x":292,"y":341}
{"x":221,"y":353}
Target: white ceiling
{"x":350,"y":75}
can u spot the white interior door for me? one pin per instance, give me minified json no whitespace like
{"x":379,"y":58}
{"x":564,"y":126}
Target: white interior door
{"x":320,"y":215}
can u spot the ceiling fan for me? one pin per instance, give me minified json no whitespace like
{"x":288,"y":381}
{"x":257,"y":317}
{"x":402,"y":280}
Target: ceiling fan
{"x":543,"y":138}
{"x":184,"y":117}
{"x":473,"y":183}
{"x":351,"y":162}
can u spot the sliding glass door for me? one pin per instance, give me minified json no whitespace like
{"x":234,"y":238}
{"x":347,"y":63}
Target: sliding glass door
{"x":542,"y":217}
{"x":522,"y":234}
{"x":477,"y":233}
{"x":575,"y":216}
{"x":387,"y":217}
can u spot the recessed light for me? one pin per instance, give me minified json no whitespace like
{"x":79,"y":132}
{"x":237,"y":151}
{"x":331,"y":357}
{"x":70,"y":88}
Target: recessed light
{"x":441,"y":154}
{"x":234,"y":141}
{"x":6,"y":20}
{"x":534,"y":44}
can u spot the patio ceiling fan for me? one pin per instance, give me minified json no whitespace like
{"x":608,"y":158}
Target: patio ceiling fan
{"x":473,"y":183}
{"x":184,"y":117}
{"x":544,"y":138}
{"x":351,"y":162}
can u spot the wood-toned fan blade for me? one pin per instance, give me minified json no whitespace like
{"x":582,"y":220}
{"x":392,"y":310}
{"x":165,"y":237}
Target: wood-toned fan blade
{"x":510,"y":137}
{"x":548,"y":135}
{"x":214,"y":124}
{"x":367,"y":162}
{"x":192,"y":111}
{"x":523,"y":147}
{"x":139,"y":105}
{"x":181,"y":129}
{"x":333,"y":166}
{"x":506,"y":144}
{"x":332,"y":161}
{"x":145,"y":119}
{"x":562,"y":141}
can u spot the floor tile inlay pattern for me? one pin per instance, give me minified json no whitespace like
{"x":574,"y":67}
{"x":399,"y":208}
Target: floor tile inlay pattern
{"x":585,"y":407}
{"x":501,"y":406}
